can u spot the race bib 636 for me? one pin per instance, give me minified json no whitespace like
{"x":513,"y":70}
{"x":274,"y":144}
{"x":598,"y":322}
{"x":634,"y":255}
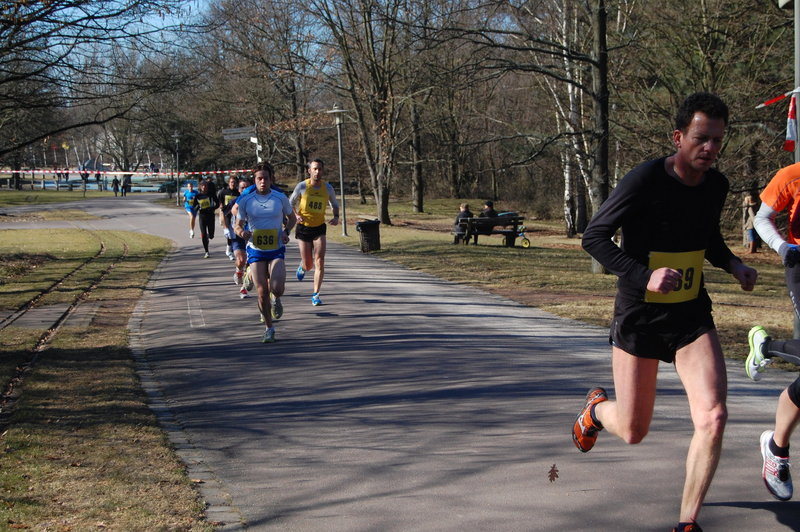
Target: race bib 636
{"x":265,"y":239}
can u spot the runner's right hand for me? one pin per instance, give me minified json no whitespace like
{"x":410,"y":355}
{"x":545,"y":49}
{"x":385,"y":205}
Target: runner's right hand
{"x":790,"y":253}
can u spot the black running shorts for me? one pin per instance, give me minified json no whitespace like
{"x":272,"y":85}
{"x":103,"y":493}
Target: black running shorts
{"x":309,"y":234}
{"x":658,"y":330}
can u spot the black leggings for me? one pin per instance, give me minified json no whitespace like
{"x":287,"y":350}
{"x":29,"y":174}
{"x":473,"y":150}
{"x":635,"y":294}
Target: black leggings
{"x":789,"y":350}
{"x":206,"y":227}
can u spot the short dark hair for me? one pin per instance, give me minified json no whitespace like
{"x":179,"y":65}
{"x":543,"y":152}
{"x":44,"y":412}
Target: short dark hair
{"x":318,"y":161}
{"x":705,"y":102}
{"x":264,"y":167}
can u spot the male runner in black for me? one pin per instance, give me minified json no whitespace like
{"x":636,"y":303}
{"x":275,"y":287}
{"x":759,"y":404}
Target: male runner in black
{"x":668,"y":210}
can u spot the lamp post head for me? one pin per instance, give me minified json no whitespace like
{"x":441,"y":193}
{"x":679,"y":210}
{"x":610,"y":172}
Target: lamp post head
{"x":337,"y":113}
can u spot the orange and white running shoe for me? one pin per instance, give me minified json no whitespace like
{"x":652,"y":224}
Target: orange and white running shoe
{"x":585,"y":429}
{"x":687,"y":527}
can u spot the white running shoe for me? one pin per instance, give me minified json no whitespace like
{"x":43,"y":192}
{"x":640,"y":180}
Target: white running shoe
{"x":775,"y":471}
{"x":191,"y":233}
{"x":205,"y":256}
{"x":756,"y":362}
{"x":243,"y":293}
{"x":269,"y":336}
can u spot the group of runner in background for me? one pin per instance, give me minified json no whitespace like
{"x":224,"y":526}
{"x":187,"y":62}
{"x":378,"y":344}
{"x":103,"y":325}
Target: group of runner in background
{"x":257,"y":218}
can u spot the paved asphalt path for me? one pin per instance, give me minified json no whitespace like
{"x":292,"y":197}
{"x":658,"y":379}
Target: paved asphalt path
{"x":407,"y":403}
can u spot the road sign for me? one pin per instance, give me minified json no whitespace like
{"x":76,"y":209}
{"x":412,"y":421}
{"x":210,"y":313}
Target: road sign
{"x":234,"y":130}
{"x":237,"y":133}
{"x":237,"y":136}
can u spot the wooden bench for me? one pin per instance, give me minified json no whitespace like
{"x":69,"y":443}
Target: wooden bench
{"x":507,"y":225}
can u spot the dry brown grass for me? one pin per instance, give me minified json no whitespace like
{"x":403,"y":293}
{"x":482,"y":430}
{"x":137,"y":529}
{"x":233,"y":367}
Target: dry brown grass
{"x":82,"y":450}
{"x":554,"y":273}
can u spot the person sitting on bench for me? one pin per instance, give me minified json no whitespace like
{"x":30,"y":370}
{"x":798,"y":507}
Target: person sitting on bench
{"x":460,"y":230}
{"x":487,"y":212}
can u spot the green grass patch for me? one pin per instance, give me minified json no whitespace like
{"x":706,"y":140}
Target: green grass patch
{"x":36,"y":259}
{"x":11,"y":198}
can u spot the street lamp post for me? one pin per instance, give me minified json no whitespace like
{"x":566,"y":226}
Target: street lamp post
{"x":339,"y":120}
{"x":177,"y":138}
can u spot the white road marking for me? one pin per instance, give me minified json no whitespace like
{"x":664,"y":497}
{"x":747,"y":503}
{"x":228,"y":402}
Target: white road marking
{"x":196,"y":318}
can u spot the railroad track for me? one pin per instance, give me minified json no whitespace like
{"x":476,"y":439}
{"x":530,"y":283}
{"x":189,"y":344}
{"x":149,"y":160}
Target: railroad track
{"x":12,"y":389}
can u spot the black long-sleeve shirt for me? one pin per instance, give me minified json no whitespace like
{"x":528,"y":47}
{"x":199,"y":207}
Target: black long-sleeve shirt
{"x":657,"y":212}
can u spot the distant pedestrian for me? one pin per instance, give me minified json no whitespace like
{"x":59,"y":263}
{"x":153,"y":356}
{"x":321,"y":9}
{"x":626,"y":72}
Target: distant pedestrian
{"x":749,"y":208}
{"x":115,"y":186}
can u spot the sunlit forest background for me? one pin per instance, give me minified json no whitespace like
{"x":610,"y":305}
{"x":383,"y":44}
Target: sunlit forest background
{"x":541,"y":105}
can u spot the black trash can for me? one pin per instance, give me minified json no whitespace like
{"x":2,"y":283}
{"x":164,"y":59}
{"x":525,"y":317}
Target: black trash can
{"x":370,"y":234}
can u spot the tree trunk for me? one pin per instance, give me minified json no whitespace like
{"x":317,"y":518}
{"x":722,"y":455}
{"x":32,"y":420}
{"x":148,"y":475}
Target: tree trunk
{"x":569,"y":200}
{"x":581,"y":212}
{"x":598,"y":190}
{"x":417,"y":181}
{"x":382,"y":201}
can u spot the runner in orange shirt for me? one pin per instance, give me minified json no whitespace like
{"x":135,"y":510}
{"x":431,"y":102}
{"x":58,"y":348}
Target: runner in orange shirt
{"x":781,"y":194}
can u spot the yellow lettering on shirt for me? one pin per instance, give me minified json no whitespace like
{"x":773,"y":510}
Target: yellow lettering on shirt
{"x":265,"y":239}
{"x":204,"y":203}
{"x":690,"y":266}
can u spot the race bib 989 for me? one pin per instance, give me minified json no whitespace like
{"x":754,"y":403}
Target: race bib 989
{"x":690,"y":266}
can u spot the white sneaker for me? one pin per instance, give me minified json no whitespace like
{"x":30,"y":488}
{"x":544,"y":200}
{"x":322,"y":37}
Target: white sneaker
{"x":775,"y":471}
{"x":205,"y":256}
{"x":191,"y":233}
{"x":243,"y":293}
{"x":269,"y":336}
{"x":756,"y":362}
